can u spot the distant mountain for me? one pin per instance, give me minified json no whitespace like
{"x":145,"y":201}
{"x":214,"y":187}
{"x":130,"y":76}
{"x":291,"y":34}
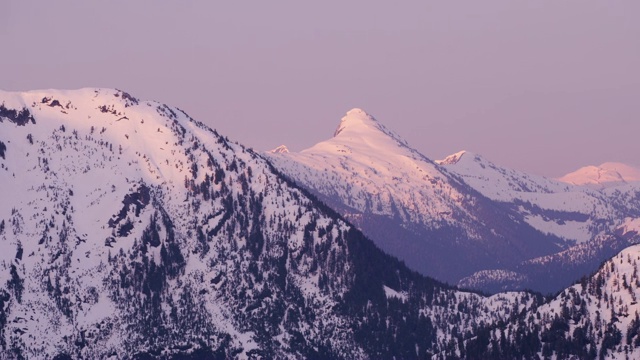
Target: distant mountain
{"x":411,"y":206}
{"x":606,"y":175}
{"x":129,"y":230}
{"x":462,"y":219}
{"x":594,"y":220}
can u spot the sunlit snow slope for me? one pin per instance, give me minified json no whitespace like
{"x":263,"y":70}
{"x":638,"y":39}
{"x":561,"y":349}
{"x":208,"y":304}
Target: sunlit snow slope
{"x":462,"y":218}
{"x":410,"y":205}
{"x":129,"y":230}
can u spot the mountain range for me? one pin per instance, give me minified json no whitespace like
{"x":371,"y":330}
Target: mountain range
{"x":463,"y":219}
{"x":129,"y":230}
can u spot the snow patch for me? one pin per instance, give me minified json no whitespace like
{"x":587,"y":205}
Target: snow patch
{"x":390,"y":293}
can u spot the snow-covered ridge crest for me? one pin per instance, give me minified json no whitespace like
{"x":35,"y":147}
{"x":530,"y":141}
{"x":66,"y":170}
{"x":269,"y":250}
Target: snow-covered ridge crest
{"x":452,"y":159}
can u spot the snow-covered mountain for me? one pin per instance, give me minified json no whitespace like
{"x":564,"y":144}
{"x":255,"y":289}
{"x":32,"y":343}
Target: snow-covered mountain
{"x":130,"y":230}
{"x":462,"y":218}
{"x":598,"y":317}
{"x":411,"y":206}
{"x":594,"y":220}
{"x":548,"y":205}
{"x":606,"y":175}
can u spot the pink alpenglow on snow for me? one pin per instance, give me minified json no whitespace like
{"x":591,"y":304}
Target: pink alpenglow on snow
{"x":606,"y":175}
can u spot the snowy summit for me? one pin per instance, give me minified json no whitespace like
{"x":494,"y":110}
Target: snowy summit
{"x":356,"y":120}
{"x":606,"y":175}
{"x":282,"y":149}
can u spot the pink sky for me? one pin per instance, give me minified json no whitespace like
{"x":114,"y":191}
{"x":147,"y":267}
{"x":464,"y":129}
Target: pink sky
{"x":541,"y":86}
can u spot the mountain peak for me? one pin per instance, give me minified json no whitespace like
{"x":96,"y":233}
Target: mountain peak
{"x":357,"y":112}
{"x":282,"y":149}
{"x":605,"y":175}
{"x":356,"y":119}
{"x":452,"y":159}
{"x":358,"y":124}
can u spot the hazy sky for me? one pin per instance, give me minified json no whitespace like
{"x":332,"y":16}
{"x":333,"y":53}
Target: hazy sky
{"x":541,"y":86}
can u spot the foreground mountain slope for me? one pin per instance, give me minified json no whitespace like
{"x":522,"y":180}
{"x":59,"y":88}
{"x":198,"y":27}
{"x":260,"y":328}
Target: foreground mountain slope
{"x":129,"y":230}
{"x":596,"y":318}
{"x":408,"y":205}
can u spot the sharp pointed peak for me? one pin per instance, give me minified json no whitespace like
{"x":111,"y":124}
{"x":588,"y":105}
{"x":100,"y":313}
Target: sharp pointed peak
{"x":452,"y":159}
{"x":465,"y":156}
{"x":358,"y":125}
{"x":282,"y":149}
{"x":356,"y":119}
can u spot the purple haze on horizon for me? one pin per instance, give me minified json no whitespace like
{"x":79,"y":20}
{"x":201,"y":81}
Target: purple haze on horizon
{"x":544,"y":86}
